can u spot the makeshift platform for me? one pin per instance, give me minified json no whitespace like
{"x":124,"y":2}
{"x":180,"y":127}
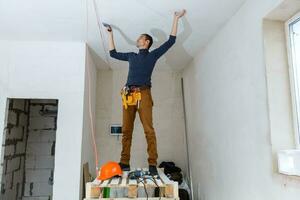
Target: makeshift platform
{"x":128,"y":188}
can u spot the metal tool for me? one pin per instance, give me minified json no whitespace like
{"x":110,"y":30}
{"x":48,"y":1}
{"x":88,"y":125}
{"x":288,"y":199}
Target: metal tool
{"x":107,"y":26}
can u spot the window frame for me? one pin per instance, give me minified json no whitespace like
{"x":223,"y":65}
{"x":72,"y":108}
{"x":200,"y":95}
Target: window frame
{"x":295,"y":92}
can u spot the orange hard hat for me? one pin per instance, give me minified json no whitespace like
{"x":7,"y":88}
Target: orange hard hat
{"x":109,"y":170}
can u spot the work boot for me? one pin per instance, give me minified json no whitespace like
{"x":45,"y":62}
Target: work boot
{"x":153,"y":170}
{"x":124,"y":167}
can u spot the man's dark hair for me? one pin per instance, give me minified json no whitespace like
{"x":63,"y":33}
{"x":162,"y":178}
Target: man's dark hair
{"x":148,"y":37}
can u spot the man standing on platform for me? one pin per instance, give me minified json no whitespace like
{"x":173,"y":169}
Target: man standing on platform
{"x":138,"y":87}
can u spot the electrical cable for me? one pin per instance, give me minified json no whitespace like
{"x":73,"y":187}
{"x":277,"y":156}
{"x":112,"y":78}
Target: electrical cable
{"x":145,"y":188}
{"x":154,"y":181}
{"x":92,"y":126}
{"x":89,"y":76}
{"x":141,"y":177}
{"x":91,"y":119}
{"x":140,"y":180}
{"x":100,"y":30}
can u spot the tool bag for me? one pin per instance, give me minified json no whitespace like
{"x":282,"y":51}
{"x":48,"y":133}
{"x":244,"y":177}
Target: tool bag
{"x":130,"y":98}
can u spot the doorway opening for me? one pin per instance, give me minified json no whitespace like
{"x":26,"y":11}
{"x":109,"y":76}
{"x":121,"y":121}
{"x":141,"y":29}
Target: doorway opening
{"x":28,"y":149}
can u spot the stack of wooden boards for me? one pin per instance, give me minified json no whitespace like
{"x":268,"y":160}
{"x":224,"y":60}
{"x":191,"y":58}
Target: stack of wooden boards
{"x":168,"y":189}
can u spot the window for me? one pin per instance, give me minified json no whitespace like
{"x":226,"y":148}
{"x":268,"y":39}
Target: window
{"x":293,"y":43}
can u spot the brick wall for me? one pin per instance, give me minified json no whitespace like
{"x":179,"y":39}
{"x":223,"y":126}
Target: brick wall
{"x":39,"y":163}
{"x":28,"y":162}
{"x":13,"y":149}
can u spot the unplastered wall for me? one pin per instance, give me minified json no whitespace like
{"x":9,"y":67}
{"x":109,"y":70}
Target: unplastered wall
{"x":40,"y":149}
{"x":13,"y":151}
{"x":50,"y":70}
{"x":27,"y":161}
{"x":227,"y":114}
{"x":167,"y":118}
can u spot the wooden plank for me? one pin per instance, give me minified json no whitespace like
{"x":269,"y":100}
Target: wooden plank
{"x":97,"y":182}
{"x":104,"y":183}
{"x":145,"y":169}
{"x":132,"y":191}
{"x":132,"y":182}
{"x":92,"y":191}
{"x":140,"y":183}
{"x":124,"y":179}
{"x":163,"y":177}
{"x":147,"y":181}
{"x":168,"y":188}
{"x":150,"y":182}
{"x":86,"y":173}
{"x":175,"y":189}
{"x":114,"y":182}
{"x":159,"y":183}
{"x":86,"y":177}
{"x":109,"y":180}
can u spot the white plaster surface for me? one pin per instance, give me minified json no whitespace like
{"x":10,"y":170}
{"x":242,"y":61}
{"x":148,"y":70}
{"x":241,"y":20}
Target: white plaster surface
{"x":75,"y":20}
{"x":167,"y":118}
{"x":50,"y":70}
{"x":225,"y":87}
{"x":279,"y":95}
{"x":89,"y":121}
{"x":227,"y":110}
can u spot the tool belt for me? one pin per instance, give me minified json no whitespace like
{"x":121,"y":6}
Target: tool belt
{"x":131,"y":95}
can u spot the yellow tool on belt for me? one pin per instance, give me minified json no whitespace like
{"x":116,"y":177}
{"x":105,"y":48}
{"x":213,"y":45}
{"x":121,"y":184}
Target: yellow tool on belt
{"x":130,"y":98}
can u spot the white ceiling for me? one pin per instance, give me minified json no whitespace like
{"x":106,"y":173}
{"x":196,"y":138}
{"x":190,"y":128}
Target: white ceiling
{"x":66,"y":20}
{"x":42,"y":19}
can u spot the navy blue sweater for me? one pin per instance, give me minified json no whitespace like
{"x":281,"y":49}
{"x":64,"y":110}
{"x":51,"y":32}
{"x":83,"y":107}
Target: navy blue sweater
{"x":141,"y":64}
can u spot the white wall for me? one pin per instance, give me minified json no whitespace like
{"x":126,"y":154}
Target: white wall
{"x":167,"y":118}
{"x":227,"y":115}
{"x":89,"y":114}
{"x":50,"y":70}
{"x":279,"y":95}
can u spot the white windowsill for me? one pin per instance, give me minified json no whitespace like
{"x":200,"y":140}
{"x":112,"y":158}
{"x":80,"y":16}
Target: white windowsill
{"x":289,"y":162}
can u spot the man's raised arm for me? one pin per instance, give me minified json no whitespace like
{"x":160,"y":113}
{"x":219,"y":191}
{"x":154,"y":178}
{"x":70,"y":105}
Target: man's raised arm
{"x":172,"y":38}
{"x":112,"y":49}
{"x":177,"y":16}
